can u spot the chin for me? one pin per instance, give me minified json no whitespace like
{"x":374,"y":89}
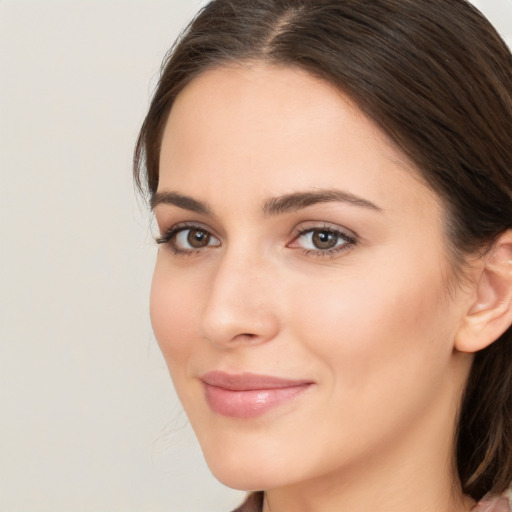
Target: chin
{"x":239,"y":471}
{"x":249,"y":469}
{"x":241,"y":481}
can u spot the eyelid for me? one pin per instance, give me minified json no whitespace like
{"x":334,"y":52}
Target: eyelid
{"x":308,"y":226}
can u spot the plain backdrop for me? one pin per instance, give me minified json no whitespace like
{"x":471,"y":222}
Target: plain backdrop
{"x":88,"y":417}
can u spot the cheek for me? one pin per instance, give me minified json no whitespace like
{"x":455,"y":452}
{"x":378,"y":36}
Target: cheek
{"x":384,"y":348}
{"x":376,"y":327}
{"x":172,"y":315}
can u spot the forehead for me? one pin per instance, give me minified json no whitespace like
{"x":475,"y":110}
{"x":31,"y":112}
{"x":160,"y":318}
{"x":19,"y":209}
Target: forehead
{"x":259,"y":99}
{"x":275,"y":129}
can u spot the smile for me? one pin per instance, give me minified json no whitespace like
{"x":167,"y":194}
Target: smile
{"x":249,"y":395}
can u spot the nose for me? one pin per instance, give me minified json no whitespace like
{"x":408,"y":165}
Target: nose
{"x":241,"y":305}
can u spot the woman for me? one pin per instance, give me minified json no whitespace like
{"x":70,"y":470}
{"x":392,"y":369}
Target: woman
{"x":332,"y":181}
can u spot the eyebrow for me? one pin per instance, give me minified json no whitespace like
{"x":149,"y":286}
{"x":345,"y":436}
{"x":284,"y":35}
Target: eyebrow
{"x":299,"y":200}
{"x":274,"y":206}
{"x":181,"y":201}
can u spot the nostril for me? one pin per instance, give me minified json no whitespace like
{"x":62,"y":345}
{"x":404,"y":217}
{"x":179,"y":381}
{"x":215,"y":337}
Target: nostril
{"x":247,"y":335}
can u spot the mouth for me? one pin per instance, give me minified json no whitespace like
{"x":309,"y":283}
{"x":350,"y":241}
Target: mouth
{"x":249,"y":395}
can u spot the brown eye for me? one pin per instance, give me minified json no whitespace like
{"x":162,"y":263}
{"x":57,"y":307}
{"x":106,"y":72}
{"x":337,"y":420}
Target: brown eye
{"x":189,"y":239}
{"x":324,"y":240}
{"x":198,"y":238}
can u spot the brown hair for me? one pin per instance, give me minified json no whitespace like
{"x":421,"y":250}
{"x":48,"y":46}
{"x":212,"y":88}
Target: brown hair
{"x":437,"y":78}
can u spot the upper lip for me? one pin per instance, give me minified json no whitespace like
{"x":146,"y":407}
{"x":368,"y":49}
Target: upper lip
{"x":249,"y":381}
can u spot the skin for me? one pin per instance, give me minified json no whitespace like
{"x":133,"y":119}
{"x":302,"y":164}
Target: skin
{"x":372,"y":326}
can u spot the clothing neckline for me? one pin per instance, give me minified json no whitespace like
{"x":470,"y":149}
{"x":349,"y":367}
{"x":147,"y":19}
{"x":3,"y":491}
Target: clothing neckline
{"x":254,"y":503}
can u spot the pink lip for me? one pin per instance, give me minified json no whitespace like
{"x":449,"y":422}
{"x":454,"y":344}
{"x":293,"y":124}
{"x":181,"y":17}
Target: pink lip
{"x":248,"y":395}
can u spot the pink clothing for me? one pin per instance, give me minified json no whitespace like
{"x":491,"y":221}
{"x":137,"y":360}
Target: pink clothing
{"x":254,"y":503}
{"x":493,"y":505}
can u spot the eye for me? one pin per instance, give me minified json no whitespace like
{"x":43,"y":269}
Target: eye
{"x":192,"y":239}
{"x":188,"y":239}
{"x":322,"y":240}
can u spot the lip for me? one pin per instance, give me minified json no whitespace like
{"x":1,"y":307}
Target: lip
{"x":248,"y":395}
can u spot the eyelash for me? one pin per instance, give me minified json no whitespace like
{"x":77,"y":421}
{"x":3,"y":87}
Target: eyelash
{"x":170,"y":235}
{"x":169,"y":238}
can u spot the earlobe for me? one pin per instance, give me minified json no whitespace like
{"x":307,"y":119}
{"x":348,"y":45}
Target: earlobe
{"x":490,"y":312}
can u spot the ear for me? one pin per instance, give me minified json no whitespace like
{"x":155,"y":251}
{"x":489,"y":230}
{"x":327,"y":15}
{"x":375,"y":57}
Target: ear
{"x":490,"y":312}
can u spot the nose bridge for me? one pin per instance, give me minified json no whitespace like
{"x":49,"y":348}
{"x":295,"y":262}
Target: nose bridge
{"x":240,"y":305}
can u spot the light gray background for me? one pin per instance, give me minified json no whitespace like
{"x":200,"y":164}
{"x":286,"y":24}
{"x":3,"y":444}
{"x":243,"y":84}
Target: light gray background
{"x":88,"y":418}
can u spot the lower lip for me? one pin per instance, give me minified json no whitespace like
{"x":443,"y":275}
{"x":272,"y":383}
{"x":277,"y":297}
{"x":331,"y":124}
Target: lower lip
{"x":250,"y":403}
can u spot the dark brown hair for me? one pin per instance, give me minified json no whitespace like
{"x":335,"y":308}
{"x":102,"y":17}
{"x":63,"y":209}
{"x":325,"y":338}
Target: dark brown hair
{"x":437,"y":78}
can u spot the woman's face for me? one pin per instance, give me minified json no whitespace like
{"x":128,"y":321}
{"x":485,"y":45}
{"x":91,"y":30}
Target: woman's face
{"x":301,"y":292}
